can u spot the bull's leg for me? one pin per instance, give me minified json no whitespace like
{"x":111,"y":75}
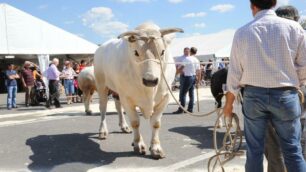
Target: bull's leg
{"x":138,"y":143}
{"x":86,"y":102}
{"x":103,"y":131}
{"x":122,"y":122}
{"x":155,"y":121}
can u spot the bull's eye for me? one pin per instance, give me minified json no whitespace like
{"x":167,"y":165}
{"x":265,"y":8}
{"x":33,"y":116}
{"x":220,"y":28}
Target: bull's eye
{"x":136,"y":53}
{"x":162,"y":53}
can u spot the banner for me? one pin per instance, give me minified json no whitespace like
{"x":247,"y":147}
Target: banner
{"x":44,"y":60}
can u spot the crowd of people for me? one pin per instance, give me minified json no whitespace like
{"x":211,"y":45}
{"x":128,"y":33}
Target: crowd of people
{"x":35,"y":89}
{"x":194,"y":73}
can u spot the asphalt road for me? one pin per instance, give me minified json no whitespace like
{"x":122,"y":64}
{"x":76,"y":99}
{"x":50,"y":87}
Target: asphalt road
{"x":62,"y":140}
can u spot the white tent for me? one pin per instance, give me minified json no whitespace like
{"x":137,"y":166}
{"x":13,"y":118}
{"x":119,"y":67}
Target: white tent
{"x":26,"y":37}
{"x":22,"y":33}
{"x":218,"y":44}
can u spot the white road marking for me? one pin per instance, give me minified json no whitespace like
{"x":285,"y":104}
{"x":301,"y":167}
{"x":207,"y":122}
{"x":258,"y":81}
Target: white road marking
{"x":28,"y":121}
{"x":190,"y":161}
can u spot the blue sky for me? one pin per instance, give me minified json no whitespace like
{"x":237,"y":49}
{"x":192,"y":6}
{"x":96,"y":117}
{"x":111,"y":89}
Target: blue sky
{"x":98,"y":20}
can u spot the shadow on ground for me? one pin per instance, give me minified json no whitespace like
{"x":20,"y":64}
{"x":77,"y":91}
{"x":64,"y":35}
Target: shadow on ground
{"x":203,"y":135}
{"x":50,"y":151}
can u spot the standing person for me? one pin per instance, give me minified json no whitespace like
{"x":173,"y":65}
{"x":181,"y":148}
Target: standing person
{"x":76,"y":68}
{"x":221,"y":65}
{"x":191,"y":76}
{"x":53,"y":75}
{"x":68,"y":76}
{"x":82,"y":65}
{"x":36,"y":74}
{"x":11,"y":85}
{"x":268,"y":59}
{"x":208,"y":69}
{"x":179,"y":72}
{"x":27,"y":80}
{"x":272,"y":146}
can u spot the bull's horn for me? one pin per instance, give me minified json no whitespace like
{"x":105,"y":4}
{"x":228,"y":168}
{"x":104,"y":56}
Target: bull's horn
{"x":129,"y":33}
{"x":170,"y":30}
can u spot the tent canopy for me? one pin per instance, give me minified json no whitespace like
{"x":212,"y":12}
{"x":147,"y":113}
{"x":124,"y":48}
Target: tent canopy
{"x":216,"y":43}
{"x":22,"y":33}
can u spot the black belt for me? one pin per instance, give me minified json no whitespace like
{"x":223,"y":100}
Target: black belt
{"x":274,"y":88}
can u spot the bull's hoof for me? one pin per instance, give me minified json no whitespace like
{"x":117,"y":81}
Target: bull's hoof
{"x":139,"y":148}
{"x":157,"y":154}
{"x":103,"y":135}
{"x":219,"y":126}
{"x":126,"y":129}
{"x":88,"y":112}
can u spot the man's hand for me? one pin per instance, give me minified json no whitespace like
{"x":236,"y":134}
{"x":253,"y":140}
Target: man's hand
{"x":228,"y":110}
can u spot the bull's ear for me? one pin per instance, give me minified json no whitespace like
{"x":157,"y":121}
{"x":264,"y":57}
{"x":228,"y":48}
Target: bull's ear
{"x":132,"y":39}
{"x":170,"y":30}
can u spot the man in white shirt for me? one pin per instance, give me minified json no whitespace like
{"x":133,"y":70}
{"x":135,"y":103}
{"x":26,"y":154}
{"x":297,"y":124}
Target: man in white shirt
{"x":179,"y":61}
{"x":268,"y":59}
{"x":191,"y":75}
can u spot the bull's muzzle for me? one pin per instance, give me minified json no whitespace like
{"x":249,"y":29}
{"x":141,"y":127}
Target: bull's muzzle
{"x":150,"y":83}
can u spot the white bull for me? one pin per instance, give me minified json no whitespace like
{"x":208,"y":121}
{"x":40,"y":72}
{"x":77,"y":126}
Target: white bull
{"x":130,"y":66}
{"x":86,"y":80}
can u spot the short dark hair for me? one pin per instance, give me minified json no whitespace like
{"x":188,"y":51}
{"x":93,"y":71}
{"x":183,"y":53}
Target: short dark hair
{"x":264,"y":4}
{"x":193,"y":50}
{"x":83,"y":61}
{"x":288,"y":12}
{"x":186,"y":48}
{"x":10,"y":64}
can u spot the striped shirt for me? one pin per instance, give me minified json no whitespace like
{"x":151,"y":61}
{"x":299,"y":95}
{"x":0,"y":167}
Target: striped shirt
{"x":68,"y":73}
{"x":269,"y":52}
{"x":52,"y":73}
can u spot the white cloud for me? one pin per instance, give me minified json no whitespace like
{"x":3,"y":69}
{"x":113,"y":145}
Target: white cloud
{"x":192,"y":15}
{"x":132,"y":1}
{"x":175,"y":1}
{"x":222,"y":8}
{"x":199,"y":25}
{"x":101,"y":20}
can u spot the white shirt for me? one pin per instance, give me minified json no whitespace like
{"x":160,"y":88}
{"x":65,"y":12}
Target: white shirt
{"x":268,"y":52}
{"x":191,"y":65}
{"x":179,"y":60}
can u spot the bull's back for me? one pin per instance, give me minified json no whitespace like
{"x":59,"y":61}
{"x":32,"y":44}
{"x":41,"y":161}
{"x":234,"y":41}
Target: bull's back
{"x":86,"y":79}
{"x":110,"y":63}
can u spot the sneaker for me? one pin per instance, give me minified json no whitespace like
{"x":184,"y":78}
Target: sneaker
{"x":59,"y":106}
{"x":15,"y":107}
{"x":9,"y":108}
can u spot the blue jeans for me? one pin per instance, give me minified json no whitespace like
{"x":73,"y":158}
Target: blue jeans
{"x":187,"y":85}
{"x":69,"y":87}
{"x":282,"y":108}
{"x":11,"y":96}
